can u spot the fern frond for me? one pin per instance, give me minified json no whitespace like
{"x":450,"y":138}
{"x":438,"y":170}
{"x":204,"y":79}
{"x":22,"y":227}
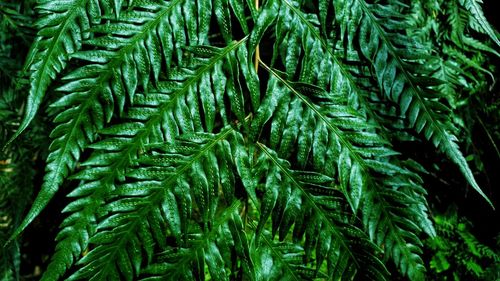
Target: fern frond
{"x":164,"y":116}
{"x":315,"y":60}
{"x":289,"y":113}
{"x":341,"y":139}
{"x":242,"y":140}
{"x":468,"y":63}
{"x":204,"y":250}
{"x":457,"y":249}
{"x":286,"y":259}
{"x":391,"y":219}
{"x":331,"y":235}
{"x":158,"y":197}
{"x":62,"y":27}
{"x":130,"y":49}
{"x":395,"y":71}
{"x":478,"y":20}
{"x":332,"y":73}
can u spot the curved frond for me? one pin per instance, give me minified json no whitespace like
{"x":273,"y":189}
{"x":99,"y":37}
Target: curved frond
{"x":160,"y":196}
{"x":164,"y":115}
{"x":288,"y":201}
{"x":133,"y":49}
{"x":353,"y":154}
{"x":479,"y":21}
{"x":62,"y":27}
{"x":403,"y":81}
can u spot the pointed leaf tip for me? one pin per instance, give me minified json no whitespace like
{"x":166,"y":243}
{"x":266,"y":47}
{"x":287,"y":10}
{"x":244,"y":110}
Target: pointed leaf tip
{"x":31,"y":110}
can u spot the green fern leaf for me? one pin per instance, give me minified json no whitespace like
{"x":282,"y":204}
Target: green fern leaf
{"x":413,"y":95}
{"x":354,"y":167}
{"x":93,"y":89}
{"x":239,"y":140}
{"x":128,"y":139}
{"x":365,"y":262}
{"x":62,"y":28}
{"x":473,"y":6}
{"x":128,"y":219}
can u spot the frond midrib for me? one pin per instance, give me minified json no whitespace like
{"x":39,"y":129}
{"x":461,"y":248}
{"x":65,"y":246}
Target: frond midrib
{"x":125,"y":157}
{"x":451,"y":147}
{"x":277,"y":254}
{"x":345,"y":143}
{"x":158,"y":196}
{"x":345,"y":73}
{"x":92,"y":99}
{"x":393,"y":53}
{"x":477,"y":12}
{"x":394,"y":229}
{"x":35,"y":90}
{"x":323,"y":118}
{"x":318,"y":210}
{"x":71,"y":14}
{"x":144,"y":133}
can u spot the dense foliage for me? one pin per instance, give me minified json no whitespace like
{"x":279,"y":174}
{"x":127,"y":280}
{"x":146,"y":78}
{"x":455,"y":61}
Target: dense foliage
{"x":247,"y":140}
{"x":458,"y":255}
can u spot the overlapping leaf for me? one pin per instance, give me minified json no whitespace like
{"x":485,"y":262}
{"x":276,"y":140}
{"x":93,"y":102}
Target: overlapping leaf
{"x":158,"y":117}
{"x":129,"y":51}
{"x":297,"y":198}
{"x":157,"y":205}
{"x":195,"y":163}
{"x":341,"y":144}
{"x":396,"y":66}
{"x":62,"y":27}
